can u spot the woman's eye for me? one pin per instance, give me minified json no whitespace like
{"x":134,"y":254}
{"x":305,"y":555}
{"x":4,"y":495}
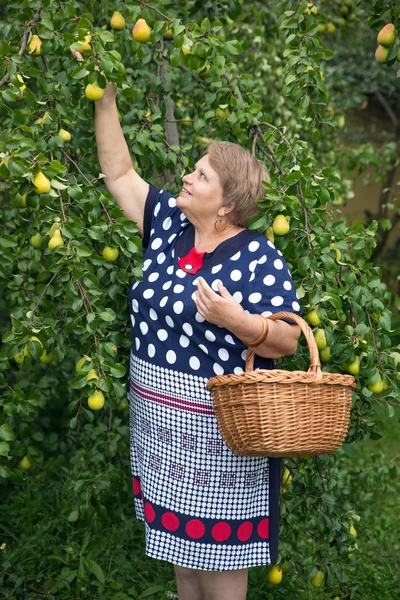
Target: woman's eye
{"x":202,"y":174}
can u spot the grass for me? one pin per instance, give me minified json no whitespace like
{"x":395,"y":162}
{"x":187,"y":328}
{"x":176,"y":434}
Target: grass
{"x":45,"y":553}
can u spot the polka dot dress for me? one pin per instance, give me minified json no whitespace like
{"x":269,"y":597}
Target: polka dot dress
{"x":204,"y":507}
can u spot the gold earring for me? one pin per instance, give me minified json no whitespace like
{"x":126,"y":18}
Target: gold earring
{"x":220,"y":224}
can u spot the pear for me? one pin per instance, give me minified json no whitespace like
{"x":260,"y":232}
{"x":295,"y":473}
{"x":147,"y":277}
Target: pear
{"x":36,"y":240}
{"x":84,"y":46}
{"x":325,"y":354}
{"x":41,"y":183}
{"x":92,"y":375}
{"x":22,"y":201}
{"x":46,"y":357}
{"x":338,"y":253}
{"x":141,"y":31}
{"x":25,"y":463}
{"x":64,"y":135}
{"x":354,"y":367}
{"x":376,"y":387}
{"x":387,"y":35}
{"x":117,"y":21}
{"x":280,"y":226}
{"x":381,"y":54}
{"x":320,"y":339}
{"x":56,"y":240}
{"x":313,"y":317}
{"x":318,"y":580}
{"x":94,"y":92}
{"x":52,"y":229}
{"x":96,"y":400}
{"x":79,"y":365}
{"x":110,"y":254}
{"x":21,"y":89}
{"x":270,"y":234}
{"x":222,"y":111}
{"x":35,"y":46}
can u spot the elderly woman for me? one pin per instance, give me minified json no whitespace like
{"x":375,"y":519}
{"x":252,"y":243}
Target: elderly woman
{"x":208,"y":284}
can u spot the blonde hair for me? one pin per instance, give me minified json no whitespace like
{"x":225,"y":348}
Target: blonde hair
{"x":241,"y":176}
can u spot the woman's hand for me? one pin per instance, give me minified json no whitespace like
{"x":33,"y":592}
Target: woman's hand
{"x":220,"y":309}
{"x":110,"y":91}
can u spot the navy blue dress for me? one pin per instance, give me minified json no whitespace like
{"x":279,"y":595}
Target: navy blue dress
{"x":203,"y":506}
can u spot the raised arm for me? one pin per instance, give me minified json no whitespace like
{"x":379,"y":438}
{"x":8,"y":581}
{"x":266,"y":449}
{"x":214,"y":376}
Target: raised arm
{"x":128,"y":188}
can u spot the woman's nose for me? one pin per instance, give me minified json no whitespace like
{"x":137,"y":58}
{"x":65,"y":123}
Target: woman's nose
{"x":187,"y":178}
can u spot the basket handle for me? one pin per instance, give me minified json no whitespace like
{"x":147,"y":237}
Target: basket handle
{"x":315,"y":363}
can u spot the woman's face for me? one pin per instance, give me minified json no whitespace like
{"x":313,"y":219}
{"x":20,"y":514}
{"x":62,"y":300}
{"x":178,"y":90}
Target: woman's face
{"x":201,"y":194}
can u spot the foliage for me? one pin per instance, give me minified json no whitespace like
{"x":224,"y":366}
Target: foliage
{"x":256,"y":76}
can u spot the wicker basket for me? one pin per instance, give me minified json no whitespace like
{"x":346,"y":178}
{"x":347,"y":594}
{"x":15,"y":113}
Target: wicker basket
{"x":283,"y":413}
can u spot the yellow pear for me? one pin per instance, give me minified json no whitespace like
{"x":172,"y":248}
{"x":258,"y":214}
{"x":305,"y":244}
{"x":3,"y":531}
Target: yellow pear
{"x":21,"y":89}
{"x":35,"y":46}
{"x":381,"y":54}
{"x":46,"y":357}
{"x":270,"y":234}
{"x":92,"y":375}
{"x":41,"y":183}
{"x":325,"y":354}
{"x":36,"y":240}
{"x":354,"y":367}
{"x":141,"y":31}
{"x":22,"y":201}
{"x":19,"y":357}
{"x":110,"y":254}
{"x":320,"y":339}
{"x":353,"y":530}
{"x":25,"y":463}
{"x":85,"y":45}
{"x":313,"y":317}
{"x":79,"y":365}
{"x":280,"y":226}
{"x":94,"y":92}
{"x":96,"y":400}
{"x":56,"y":240}
{"x":274,"y":575}
{"x":117,"y":21}
{"x":338,"y":253}
{"x":330,"y":27}
{"x":44,"y":119}
{"x":222,"y":111}
{"x":387,"y":35}
{"x":64,"y":135}
{"x":376,"y":387}
{"x":318,"y":580}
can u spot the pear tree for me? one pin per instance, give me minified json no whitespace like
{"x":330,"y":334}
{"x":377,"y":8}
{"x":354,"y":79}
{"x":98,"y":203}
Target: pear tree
{"x":184,"y":75}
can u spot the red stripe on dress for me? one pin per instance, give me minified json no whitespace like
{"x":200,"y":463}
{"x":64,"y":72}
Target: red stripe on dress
{"x":203,"y":409}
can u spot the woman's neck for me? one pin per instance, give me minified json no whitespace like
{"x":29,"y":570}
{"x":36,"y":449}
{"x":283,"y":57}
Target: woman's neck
{"x":207,"y":242}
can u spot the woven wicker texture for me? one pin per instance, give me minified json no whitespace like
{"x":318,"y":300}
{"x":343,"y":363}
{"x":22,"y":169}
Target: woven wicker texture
{"x":280,"y":413}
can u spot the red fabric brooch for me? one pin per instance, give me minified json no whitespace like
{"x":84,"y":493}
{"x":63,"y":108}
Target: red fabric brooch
{"x":192,"y":262}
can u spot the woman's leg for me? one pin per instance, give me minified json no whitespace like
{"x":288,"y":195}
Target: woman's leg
{"x":188,"y":585}
{"x":223,"y":585}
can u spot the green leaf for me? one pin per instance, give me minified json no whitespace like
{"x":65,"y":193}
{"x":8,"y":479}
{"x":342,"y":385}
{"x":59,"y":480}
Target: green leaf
{"x":233,"y":47}
{"x":117,"y":370}
{"x":78,"y":382}
{"x":4,"y":448}
{"x":6,"y":241}
{"x":94,"y":568}
{"x":108,"y":315}
{"x":155,"y":589}
{"x":6,"y":433}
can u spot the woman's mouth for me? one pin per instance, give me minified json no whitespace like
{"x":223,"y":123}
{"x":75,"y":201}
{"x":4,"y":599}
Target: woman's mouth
{"x":185,"y":192}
